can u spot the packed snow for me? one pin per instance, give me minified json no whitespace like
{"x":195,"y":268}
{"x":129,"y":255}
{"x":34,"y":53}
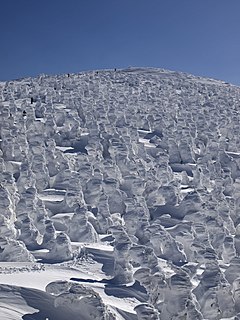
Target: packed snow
{"x":119,"y":197}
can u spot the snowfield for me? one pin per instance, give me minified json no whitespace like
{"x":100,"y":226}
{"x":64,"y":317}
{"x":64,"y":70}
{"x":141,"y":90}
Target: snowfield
{"x":119,"y":197}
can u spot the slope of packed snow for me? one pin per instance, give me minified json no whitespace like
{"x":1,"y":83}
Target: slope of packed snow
{"x":119,"y":197}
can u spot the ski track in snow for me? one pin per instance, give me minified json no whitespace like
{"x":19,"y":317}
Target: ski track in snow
{"x":119,"y":197}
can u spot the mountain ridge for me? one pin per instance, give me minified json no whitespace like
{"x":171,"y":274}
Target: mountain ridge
{"x":126,"y":69}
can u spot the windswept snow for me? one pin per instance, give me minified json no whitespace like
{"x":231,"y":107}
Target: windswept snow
{"x":119,"y":197}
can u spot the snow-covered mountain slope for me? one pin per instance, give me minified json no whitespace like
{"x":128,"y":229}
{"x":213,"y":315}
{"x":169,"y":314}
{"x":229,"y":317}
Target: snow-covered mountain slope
{"x":119,"y":197}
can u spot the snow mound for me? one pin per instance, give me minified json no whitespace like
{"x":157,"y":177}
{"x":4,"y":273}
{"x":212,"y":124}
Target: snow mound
{"x":144,"y":162}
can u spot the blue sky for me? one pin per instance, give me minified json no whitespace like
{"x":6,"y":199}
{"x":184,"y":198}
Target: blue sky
{"x":201,"y":37}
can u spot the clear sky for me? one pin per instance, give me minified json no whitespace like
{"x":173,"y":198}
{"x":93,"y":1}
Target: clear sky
{"x":201,"y":37}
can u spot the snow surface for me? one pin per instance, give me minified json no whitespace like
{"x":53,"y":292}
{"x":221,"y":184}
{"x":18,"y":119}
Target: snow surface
{"x":119,"y":197}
